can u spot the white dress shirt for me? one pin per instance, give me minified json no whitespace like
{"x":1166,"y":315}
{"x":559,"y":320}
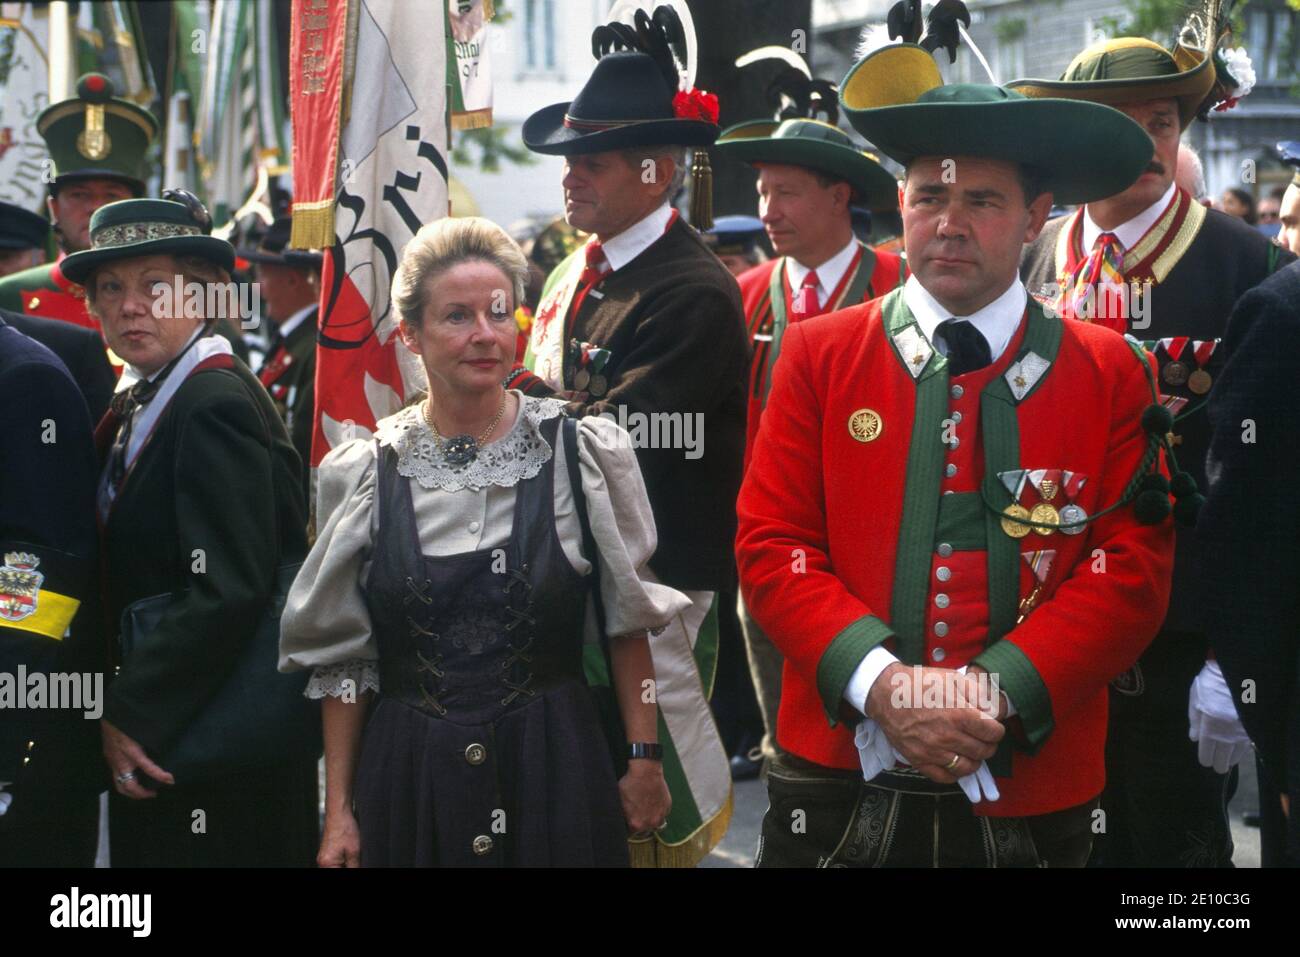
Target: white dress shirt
{"x":1128,"y":233}
{"x":998,"y":322}
{"x":829,"y":273}
{"x":636,"y":239}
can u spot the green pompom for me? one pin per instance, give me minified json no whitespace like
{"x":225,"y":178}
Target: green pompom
{"x":1154,"y":482}
{"x":1187,"y":508}
{"x":1157,"y":420}
{"x":1151,"y":507}
{"x":1182,"y":485}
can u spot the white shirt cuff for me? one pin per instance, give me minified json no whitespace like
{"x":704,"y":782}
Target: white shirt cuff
{"x":877,"y":660}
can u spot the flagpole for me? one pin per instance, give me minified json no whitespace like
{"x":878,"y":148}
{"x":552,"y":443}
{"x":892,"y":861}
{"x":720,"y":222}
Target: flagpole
{"x":61,"y":54}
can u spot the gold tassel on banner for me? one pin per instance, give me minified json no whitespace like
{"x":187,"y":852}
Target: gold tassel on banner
{"x":313,"y":225}
{"x":701,"y":212}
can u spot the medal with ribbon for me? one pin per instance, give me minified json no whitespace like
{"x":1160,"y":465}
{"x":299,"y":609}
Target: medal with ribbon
{"x":1175,"y":371}
{"x":1040,"y":564}
{"x":1200,"y":380}
{"x":1047,"y":482}
{"x":1013,"y":515}
{"x":590,"y":361}
{"x":1073,"y":518}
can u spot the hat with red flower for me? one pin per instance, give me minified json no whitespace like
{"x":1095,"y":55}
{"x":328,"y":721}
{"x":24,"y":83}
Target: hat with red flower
{"x":640,"y":93}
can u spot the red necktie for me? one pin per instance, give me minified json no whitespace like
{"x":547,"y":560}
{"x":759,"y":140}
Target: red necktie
{"x":597,"y":265}
{"x":806,"y":303}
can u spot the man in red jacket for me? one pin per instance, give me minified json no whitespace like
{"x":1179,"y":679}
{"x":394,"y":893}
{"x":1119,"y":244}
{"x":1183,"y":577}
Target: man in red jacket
{"x":954,"y":526}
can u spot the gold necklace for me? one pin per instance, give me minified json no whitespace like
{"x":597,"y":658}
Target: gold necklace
{"x":461,"y":449}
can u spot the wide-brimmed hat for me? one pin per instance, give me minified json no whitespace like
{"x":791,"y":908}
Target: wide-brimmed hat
{"x":148,"y":227}
{"x":21,"y":228}
{"x":1131,"y":69}
{"x":96,"y":135}
{"x":626,"y":102}
{"x":272,"y":249}
{"x":896,"y":98}
{"x":815,"y":145}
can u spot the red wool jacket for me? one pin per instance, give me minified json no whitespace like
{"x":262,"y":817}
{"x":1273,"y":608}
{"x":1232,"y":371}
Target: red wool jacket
{"x":887,"y":272}
{"x":846,"y":543}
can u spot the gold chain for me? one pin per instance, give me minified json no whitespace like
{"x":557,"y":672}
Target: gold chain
{"x":437,"y":436}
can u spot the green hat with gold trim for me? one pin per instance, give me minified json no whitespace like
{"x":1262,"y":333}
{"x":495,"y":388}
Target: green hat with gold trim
{"x":96,"y":135}
{"x":896,"y":98}
{"x":816,"y":145}
{"x":1129,"y":70}
{"x":130,"y":228}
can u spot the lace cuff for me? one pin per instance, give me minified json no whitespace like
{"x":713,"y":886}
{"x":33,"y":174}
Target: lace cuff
{"x":351,"y":678}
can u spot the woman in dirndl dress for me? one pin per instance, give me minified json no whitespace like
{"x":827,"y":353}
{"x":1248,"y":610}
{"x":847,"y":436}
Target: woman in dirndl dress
{"x":443,"y":608}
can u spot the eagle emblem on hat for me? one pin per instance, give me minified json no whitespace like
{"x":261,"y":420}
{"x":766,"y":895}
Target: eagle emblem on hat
{"x":20,"y":584}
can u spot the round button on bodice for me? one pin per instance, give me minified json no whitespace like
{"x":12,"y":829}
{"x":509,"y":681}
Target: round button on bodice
{"x":941,"y":629}
{"x":476,"y":754}
{"x":944,"y":550}
{"x":943,"y":573}
{"x":958,"y":392}
{"x":941,"y":601}
{"x":482,"y":845}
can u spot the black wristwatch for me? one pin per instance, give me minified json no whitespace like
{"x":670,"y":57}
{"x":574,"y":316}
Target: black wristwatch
{"x":640,"y":749}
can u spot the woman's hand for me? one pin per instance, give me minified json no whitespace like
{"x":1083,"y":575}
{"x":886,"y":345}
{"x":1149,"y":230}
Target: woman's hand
{"x":645,"y":797}
{"x":126,"y":759}
{"x":340,"y":845}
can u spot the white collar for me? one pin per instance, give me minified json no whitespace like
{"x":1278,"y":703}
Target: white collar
{"x":998,"y":321}
{"x":636,"y":239}
{"x":829,"y":273}
{"x":1131,"y":232}
{"x":294,"y":321}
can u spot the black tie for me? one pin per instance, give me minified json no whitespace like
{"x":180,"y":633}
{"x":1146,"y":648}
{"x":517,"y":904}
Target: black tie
{"x":968,"y":350}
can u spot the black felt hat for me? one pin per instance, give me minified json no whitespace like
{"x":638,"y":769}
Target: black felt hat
{"x":21,"y":228}
{"x":272,"y":251}
{"x":626,"y":102}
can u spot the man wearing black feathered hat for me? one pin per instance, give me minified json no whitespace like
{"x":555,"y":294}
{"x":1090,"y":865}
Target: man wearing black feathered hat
{"x":643,"y":323}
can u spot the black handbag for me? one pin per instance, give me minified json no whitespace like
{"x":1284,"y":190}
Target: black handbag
{"x":257,"y":718}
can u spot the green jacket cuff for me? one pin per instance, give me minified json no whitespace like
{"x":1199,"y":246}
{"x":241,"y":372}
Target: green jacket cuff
{"x":842,"y":657}
{"x":1020,"y":680}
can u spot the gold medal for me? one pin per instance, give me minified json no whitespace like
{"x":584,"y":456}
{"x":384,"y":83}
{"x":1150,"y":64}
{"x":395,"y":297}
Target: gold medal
{"x":581,"y":379}
{"x":865,"y":425}
{"x":1047,"y":515}
{"x":1200,"y":382}
{"x":1011,"y":522}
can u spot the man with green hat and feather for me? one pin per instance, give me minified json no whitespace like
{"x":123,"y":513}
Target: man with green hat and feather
{"x":97,"y":143}
{"x":922,"y":518}
{"x":1150,"y":259}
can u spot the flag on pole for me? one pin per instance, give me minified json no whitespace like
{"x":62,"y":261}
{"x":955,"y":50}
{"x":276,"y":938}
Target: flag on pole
{"x":469,"y":70}
{"x":391,"y":179}
{"x":190,"y":26}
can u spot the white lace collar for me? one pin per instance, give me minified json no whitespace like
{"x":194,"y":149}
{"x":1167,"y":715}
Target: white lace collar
{"x":519,"y":454}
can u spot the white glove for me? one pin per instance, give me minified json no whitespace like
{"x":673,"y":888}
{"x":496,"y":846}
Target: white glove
{"x":1215,"y":724}
{"x":874,"y":750}
{"x":877,"y":754}
{"x":5,"y":800}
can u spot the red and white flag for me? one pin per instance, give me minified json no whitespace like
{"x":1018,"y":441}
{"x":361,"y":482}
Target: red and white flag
{"x":389,"y":179}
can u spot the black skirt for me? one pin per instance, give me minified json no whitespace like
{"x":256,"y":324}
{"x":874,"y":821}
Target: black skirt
{"x":533,"y":787}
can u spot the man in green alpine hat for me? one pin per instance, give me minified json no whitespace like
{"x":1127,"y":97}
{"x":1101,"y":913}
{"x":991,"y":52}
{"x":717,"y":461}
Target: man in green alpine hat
{"x":923,"y":507}
{"x":810,"y":176}
{"x":97,"y":145}
{"x":1183,"y":267}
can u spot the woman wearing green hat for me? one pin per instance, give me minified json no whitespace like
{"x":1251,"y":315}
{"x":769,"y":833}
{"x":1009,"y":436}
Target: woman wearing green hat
{"x":199,"y":499}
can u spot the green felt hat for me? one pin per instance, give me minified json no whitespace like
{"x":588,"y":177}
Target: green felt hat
{"x":817,"y":145}
{"x":131,"y":228}
{"x":95,"y":135}
{"x":896,"y":98}
{"x":1129,"y":70}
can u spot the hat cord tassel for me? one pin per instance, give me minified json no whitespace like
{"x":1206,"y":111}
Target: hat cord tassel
{"x":701,"y":211}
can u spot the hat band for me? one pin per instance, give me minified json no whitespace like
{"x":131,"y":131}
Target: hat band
{"x":573,"y":123}
{"x":130,"y":233}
